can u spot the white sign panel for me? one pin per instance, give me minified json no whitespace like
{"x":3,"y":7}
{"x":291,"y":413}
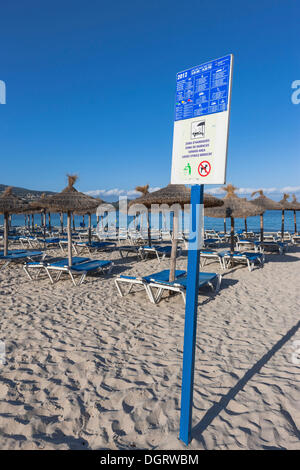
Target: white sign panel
{"x":201,"y":123}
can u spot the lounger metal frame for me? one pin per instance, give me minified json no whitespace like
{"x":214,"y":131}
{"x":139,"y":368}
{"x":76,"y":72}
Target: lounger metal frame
{"x":133,"y":281}
{"x":161,"y":287}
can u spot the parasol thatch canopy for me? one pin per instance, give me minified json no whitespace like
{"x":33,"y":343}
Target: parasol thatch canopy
{"x":285,"y":204}
{"x":10,"y":204}
{"x":265,"y":202}
{"x":295,"y":204}
{"x":71,"y":200}
{"x":234,"y":206}
{"x":173,"y":194}
{"x":39,"y":205}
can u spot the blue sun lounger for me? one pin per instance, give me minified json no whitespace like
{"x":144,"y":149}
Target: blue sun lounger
{"x":94,"y":245}
{"x":19,"y":256}
{"x":248,"y":243}
{"x":211,"y":241}
{"x":39,"y":266}
{"x":48,"y":241}
{"x":159,"y":251}
{"x":10,"y":252}
{"x":243,"y":258}
{"x":180,"y":285}
{"x":125,"y":250}
{"x":28,"y":240}
{"x":90,"y":267}
{"x":144,"y":281}
{"x":80,"y":265}
{"x":272,"y":246}
{"x":13,"y":238}
{"x":206,"y":254}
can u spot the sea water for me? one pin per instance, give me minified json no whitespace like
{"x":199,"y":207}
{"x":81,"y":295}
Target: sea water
{"x":272,"y":221}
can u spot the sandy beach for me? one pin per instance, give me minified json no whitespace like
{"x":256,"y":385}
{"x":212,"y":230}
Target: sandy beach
{"x":87,"y":369}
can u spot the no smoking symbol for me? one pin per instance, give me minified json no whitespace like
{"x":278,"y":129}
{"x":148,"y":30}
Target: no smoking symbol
{"x":204,"y":168}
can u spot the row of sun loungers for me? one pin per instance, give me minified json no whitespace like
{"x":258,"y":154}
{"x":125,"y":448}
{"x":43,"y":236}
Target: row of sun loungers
{"x":36,"y":262}
{"x":80,"y":266}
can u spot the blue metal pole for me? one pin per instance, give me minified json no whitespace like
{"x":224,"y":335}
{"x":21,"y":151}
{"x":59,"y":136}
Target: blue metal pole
{"x":190,"y":326}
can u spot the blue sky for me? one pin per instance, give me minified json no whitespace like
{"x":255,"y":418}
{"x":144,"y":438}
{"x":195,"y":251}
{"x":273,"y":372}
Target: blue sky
{"x":91,"y":89}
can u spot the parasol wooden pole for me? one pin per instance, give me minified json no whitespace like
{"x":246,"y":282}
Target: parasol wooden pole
{"x":32,"y":222}
{"x":148,"y":227}
{"x":28,"y":222}
{"x":25,"y":220}
{"x":44,"y":222}
{"x":49,"y":222}
{"x":246,"y":228}
{"x":174,"y":247}
{"x":261,"y":228}
{"x":295,"y":221}
{"x":61,"y":222}
{"x":225,"y":225}
{"x":5,"y":241}
{"x":90,"y":228}
{"x":232,"y":235}
{"x":44,"y":226}
{"x":282,"y":224}
{"x":69,"y":232}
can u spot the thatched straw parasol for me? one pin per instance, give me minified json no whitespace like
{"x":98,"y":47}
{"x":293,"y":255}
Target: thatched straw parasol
{"x":10,"y":204}
{"x":70,"y":200}
{"x":173,"y":194}
{"x":89,"y":214}
{"x":296,"y":207}
{"x":145,"y":192}
{"x":265,"y":204}
{"x":41,"y":205}
{"x":234,"y":207}
{"x":285,"y":206}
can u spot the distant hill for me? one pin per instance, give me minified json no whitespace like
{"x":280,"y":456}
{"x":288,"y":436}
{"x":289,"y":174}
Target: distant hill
{"x":30,"y":194}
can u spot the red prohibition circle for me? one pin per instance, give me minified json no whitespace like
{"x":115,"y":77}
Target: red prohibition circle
{"x":205,"y":169}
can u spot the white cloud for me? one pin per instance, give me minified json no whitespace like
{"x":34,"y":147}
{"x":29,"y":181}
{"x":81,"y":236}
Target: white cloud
{"x":291,"y":189}
{"x":218,"y":191}
{"x":246,"y":191}
{"x":117,"y":192}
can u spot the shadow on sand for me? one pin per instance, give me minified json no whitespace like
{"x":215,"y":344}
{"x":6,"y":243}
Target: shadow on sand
{"x":217,"y":408}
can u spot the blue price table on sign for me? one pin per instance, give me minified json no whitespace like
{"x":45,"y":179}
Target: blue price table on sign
{"x":203,"y":89}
